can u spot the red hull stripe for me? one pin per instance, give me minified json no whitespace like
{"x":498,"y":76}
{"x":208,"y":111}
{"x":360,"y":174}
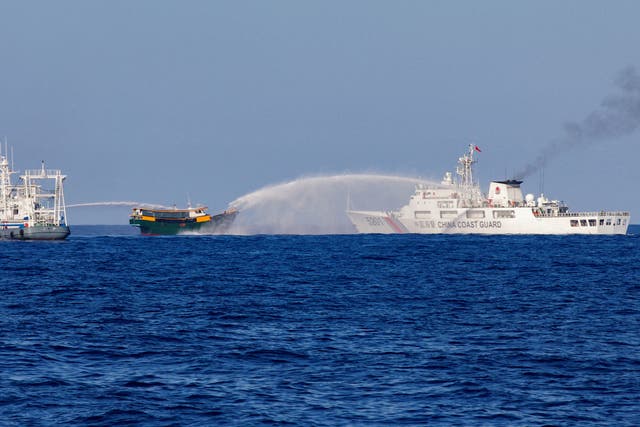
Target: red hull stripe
{"x":397,"y":228}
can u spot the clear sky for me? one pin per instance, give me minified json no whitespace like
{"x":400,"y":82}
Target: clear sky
{"x":158,"y":101}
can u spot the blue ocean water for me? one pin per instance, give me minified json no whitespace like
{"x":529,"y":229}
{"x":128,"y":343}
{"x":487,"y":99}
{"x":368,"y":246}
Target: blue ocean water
{"x":111,"y":328}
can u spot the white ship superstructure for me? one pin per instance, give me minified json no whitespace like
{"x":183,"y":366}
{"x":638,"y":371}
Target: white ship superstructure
{"x":458,"y":206}
{"x":34,"y":209}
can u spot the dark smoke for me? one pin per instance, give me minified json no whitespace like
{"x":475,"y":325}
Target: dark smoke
{"x":618,"y":115}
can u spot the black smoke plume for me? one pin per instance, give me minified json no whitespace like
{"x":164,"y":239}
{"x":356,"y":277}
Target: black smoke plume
{"x":618,"y":115}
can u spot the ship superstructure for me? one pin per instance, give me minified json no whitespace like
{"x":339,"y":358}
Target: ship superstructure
{"x":34,"y":208}
{"x":458,"y":206}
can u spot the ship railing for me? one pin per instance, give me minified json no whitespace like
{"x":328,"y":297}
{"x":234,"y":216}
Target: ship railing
{"x":46,"y":220}
{"x":38,"y":173}
{"x":45,"y":193}
{"x":583,"y":214}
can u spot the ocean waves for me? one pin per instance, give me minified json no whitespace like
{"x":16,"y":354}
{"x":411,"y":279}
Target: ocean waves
{"x":321,"y":330}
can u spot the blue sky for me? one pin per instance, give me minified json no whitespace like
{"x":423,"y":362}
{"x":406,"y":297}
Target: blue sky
{"x":158,"y":101}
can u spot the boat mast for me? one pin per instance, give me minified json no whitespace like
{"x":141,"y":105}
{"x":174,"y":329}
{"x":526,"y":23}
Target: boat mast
{"x":5,"y":183}
{"x":465,"y":168}
{"x":469,"y":189}
{"x":60,"y":208}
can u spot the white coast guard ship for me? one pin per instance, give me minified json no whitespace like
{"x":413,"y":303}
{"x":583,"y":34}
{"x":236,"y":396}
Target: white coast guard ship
{"x":457,"y":206}
{"x":34,"y":209}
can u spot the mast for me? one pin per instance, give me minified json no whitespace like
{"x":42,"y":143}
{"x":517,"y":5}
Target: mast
{"x":60,"y":208}
{"x":465,"y":168}
{"x":469,"y":190}
{"x":5,"y":185}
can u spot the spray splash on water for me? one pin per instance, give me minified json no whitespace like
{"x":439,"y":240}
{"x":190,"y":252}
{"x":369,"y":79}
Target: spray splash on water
{"x":318,"y":204}
{"x":307,"y":205}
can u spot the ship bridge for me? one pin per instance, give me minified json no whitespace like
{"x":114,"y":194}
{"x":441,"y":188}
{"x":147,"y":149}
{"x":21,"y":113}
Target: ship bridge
{"x":505,"y":193}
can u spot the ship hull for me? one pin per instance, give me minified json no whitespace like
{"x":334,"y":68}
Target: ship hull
{"x":492,"y":221}
{"x":218,"y":224}
{"x":44,"y":232}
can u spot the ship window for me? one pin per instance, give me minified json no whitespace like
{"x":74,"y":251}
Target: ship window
{"x":448,"y":214}
{"x":608,"y":221}
{"x":601,"y":222}
{"x":170,"y":214}
{"x":618,"y":221}
{"x":504,"y":214}
{"x":423,"y":214}
{"x":583,"y":222}
{"x":475,"y":214}
{"x":574,"y":222}
{"x":445,"y":204}
{"x":15,"y":211}
{"x":592,"y":223}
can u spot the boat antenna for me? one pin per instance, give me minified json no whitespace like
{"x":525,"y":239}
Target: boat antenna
{"x":188,"y":201}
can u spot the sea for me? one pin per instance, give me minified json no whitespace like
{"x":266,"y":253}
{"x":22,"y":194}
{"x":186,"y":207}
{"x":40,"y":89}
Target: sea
{"x":112,"y":328}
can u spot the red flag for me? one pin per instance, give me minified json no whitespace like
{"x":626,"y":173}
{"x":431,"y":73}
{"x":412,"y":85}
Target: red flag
{"x":477,"y":149}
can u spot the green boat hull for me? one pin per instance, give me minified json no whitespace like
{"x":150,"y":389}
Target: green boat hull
{"x":218,"y":224}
